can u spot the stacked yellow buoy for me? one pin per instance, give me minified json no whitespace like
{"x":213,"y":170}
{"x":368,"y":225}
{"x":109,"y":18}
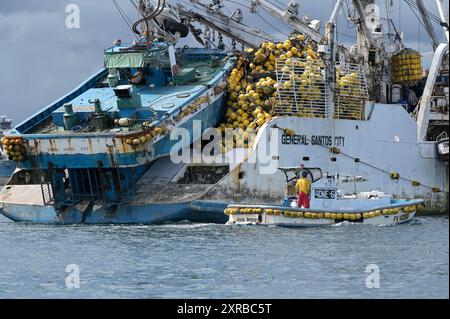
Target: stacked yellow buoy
{"x":305,"y":78}
{"x":252,"y":88}
{"x":349,"y":94}
{"x":407,"y":67}
{"x":309,"y":87}
{"x":326,"y":215}
{"x":14,"y":147}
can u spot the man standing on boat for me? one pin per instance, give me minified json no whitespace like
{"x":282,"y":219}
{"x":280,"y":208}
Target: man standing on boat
{"x":303,"y":188}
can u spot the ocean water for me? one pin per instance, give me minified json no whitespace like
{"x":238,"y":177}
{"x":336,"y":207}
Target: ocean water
{"x":186,"y":260}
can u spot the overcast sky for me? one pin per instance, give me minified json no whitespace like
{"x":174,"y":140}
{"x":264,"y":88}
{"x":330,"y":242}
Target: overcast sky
{"x":41,"y":59}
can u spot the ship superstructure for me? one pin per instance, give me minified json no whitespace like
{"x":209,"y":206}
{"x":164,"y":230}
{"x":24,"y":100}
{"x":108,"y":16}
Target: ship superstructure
{"x":104,"y":152}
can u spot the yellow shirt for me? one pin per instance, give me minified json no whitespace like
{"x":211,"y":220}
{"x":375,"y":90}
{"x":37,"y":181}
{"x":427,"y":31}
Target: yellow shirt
{"x":303,"y":186}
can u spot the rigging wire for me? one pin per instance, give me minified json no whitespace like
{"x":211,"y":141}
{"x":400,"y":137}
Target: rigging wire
{"x":427,"y":13}
{"x":124,"y":16}
{"x":134,"y":4}
{"x":388,"y":16}
{"x":279,"y":2}
{"x":268,"y":23}
{"x":393,"y":35}
{"x":353,"y":37}
{"x":418,"y":18}
{"x":242,"y":30}
{"x":122,"y":13}
{"x":260,"y":16}
{"x":419,"y":34}
{"x":350,"y":23}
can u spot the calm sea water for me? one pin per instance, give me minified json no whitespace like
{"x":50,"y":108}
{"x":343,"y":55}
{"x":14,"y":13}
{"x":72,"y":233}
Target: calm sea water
{"x":187,"y":260}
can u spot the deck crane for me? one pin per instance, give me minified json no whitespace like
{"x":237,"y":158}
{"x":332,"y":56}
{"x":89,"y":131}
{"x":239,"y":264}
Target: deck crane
{"x":172,"y":22}
{"x":229,"y":26}
{"x":290,"y":16}
{"x":366,"y":50}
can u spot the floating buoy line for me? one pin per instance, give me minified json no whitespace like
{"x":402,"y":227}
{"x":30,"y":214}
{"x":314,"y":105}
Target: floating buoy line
{"x":14,"y":148}
{"x":327,"y":215}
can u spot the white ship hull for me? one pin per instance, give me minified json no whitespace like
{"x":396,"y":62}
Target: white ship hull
{"x":386,"y":143}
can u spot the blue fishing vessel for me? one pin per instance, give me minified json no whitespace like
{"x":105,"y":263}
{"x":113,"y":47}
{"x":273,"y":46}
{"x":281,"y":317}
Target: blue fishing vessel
{"x":89,"y":157}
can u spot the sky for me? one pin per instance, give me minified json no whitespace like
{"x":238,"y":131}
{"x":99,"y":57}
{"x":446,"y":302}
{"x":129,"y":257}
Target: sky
{"x":41,"y":59}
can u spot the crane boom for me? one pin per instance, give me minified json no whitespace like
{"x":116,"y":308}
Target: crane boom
{"x":289,"y":16}
{"x":231,"y":27}
{"x":362,"y":23}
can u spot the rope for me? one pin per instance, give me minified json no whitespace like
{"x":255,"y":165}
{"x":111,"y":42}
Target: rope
{"x":374,"y":167}
{"x":429,"y":14}
{"x":381,"y":169}
{"x":260,"y":16}
{"x":242,"y":30}
{"x":124,"y":16}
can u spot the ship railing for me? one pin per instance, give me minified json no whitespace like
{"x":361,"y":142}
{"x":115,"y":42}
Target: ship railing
{"x":85,"y":184}
{"x":46,"y":188}
{"x":82,"y":185}
{"x":303,"y":90}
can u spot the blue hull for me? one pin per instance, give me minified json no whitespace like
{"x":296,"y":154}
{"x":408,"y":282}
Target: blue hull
{"x":7,"y":168}
{"x":203,"y":212}
{"x":81,"y":172}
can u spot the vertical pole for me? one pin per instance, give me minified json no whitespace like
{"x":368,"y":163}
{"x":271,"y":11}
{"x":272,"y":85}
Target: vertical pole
{"x":443,"y":15}
{"x":90,"y":185}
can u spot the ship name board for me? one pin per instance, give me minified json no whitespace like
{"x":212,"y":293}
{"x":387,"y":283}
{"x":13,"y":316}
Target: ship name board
{"x":320,"y":140}
{"x":324,"y":193}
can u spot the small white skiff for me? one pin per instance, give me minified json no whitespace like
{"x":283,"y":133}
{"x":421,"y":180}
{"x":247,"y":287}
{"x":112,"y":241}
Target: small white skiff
{"x":328,"y":206}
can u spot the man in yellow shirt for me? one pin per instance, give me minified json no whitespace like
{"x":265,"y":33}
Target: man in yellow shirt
{"x":303,"y":188}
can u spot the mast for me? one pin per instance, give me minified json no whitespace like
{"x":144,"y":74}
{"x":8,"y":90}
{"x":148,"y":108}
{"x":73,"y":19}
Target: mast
{"x":330,"y":55}
{"x":444,"y":16}
{"x":364,"y":30}
{"x":427,"y":24}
